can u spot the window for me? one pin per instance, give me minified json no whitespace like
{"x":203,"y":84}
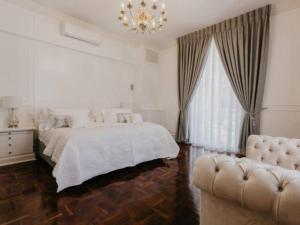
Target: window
{"x":215,"y":113}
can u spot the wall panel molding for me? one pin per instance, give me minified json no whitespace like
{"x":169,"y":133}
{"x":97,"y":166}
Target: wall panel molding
{"x":282,"y":107}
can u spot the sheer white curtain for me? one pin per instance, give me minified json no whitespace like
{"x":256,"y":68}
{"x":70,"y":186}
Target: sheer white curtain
{"x":215,"y":113}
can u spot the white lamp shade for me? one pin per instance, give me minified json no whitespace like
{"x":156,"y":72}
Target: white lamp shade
{"x":11,"y":101}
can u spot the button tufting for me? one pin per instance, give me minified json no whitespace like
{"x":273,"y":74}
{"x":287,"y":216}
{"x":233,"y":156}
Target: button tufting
{"x":288,"y":153}
{"x":245,"y":177}
{"x":217,"y":169}
{"x":270,"y":150}
{"x":280,"y":188}
{"x":296,"y":166}
{"x":262,"y":158}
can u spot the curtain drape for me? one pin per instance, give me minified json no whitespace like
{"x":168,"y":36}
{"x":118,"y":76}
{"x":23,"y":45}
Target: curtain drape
{"x":216,"y":115}
{"x":243,"y":45}
{"x":192,"y":51}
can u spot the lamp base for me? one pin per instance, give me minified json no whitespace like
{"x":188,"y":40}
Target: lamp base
{"x":13,"y":120}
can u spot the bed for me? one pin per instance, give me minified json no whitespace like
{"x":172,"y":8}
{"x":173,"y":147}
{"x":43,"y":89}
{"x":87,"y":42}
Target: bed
{"x":79,"y":154}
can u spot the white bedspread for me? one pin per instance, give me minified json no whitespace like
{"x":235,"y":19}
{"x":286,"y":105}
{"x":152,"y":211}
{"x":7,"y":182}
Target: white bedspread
{"x":83,"y":153}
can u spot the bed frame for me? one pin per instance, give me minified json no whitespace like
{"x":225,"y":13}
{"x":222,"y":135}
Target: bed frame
{"x":40,"y":149}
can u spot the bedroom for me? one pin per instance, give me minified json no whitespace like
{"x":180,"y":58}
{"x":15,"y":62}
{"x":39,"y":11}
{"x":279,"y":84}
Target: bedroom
{"x":74,"y":80}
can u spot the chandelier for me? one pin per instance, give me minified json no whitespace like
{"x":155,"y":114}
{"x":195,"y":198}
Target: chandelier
{"x":143,"y":16}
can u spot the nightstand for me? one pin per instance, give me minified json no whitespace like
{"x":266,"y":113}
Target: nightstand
{"x":16,"y":145}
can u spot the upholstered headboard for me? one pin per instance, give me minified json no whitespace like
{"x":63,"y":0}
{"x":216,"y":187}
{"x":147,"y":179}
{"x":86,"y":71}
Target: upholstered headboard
{"x":279,"y":151}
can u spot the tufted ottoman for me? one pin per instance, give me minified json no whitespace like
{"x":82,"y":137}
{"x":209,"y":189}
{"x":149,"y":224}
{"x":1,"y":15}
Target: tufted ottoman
{"x":262,"y":189}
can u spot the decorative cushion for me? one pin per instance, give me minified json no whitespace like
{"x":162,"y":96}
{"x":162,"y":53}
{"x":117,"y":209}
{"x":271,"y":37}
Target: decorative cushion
{"x":60,"y":121}
{"x":121,"y":118}
{"x":74,"y":118}
{"x":110,"y":115}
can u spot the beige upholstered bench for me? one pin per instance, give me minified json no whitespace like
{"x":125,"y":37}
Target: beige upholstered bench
{"x":263,"y":188}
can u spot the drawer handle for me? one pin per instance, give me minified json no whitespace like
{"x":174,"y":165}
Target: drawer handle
{"x":9,"y":133}
{"x":9,"y":138}
{"x":9,"y":152}
{"x":9,"y":145}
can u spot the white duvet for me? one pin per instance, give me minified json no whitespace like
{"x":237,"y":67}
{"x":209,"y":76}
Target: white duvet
{"x":83,"y":153}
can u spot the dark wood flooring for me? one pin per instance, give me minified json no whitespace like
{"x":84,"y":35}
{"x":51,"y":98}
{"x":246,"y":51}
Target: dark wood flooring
{"x":153,"y":193}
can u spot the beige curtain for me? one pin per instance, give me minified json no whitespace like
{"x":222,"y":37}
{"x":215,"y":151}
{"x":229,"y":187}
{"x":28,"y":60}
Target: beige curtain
{"x":192,"y":51}
{"x":243,"y":45}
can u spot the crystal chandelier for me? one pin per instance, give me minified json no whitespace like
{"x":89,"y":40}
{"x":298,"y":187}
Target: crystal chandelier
{"x":143,"y":16}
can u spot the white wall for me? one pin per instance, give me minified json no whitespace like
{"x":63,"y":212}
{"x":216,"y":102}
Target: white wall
{"x":148,"y":88}
{"x":168,"y":73}
{"x":147,"y":83}
{"x":155,"y":94}
{"x":48,"y":69}
{"x":282,"y":92}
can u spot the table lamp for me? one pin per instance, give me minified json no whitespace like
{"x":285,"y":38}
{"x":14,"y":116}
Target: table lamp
{"x":12,"y":102}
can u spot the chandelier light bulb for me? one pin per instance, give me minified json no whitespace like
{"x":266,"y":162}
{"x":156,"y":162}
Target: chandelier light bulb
{"x":125,"y":21}
{"x":133,"y":23}
{"x":153,"y":24}
{"x":160,"y":20}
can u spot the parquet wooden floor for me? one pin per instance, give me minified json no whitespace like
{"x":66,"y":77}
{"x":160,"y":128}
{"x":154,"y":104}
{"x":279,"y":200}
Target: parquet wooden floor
{"x":153,"y":193}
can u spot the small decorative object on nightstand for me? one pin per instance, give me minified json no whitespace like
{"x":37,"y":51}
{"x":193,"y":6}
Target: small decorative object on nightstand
{"x":16,"y":145}
{"x":12,"y":102}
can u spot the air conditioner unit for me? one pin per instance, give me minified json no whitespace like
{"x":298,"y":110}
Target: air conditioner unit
{"x":81,"y":33}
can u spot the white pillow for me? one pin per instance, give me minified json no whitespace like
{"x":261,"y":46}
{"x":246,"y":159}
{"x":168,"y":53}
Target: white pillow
{"x":51,"y":122}
{"x":67,"y":112}
{"x":41,"y":118}
{"x":110,"y":117}
{"x":78,"y":120}
{"x":96,"y":115}
{"x":46,"y":120}
{"x":136,"y":118}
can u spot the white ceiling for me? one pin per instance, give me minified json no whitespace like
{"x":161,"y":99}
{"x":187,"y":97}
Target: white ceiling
{"x":184,"y":15}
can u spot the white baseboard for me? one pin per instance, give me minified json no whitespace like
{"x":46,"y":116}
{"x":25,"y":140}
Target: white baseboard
{"x":16,"y":159}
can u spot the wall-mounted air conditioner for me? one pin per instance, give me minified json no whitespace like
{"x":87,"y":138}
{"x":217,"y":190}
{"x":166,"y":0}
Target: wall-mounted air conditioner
{"x":81,"y":33}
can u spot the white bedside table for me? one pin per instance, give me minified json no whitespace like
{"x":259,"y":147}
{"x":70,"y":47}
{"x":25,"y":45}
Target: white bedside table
{"x":16,"y":145}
